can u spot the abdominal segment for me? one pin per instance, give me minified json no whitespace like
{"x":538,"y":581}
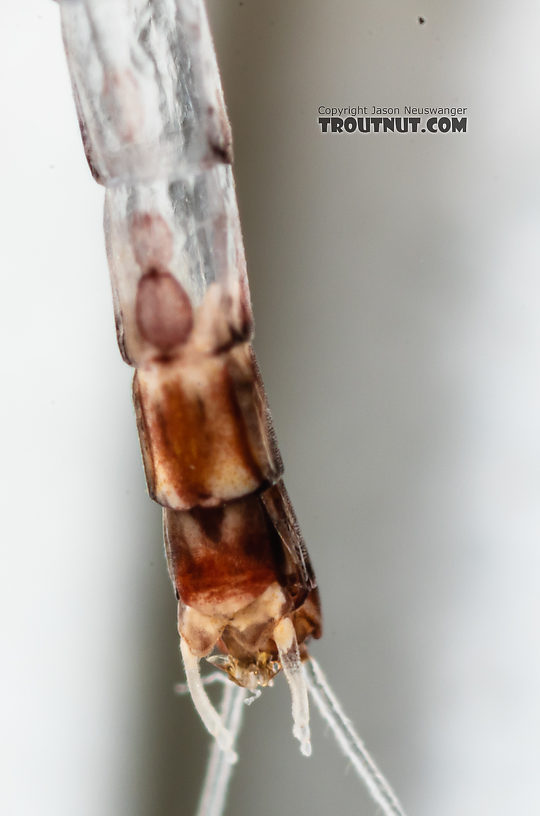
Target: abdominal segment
{"x":204,"y":429}
{"x":235,"y":576}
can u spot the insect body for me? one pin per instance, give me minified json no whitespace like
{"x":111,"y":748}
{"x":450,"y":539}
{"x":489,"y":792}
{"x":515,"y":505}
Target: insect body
{"x":156,"y":134}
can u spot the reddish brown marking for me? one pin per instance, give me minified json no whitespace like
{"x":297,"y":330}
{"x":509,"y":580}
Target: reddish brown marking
{"x":210,"y":521}
{"x":221,"y":152}
{"x":151,"y":239}
{"x":123,"y":99}
{"x":181,"y":445}
{"x":230,"y":550}
{"x":220,"y":134}
{"x":163,"y":310}
{"x":188,"y":422}
{"x":241,"y":400}
{"x":234,"y":553}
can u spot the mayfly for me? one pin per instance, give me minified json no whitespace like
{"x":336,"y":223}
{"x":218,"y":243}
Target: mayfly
{"x":156,"y":135}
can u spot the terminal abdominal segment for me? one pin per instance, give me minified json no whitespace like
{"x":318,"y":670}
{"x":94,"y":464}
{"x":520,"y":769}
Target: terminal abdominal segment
{"x":156,"y":135}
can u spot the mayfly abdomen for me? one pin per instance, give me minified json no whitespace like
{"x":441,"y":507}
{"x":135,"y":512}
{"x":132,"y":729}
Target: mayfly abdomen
{"x":156,"y":135}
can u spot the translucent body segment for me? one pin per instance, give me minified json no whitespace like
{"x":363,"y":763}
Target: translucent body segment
{"x":204,"y":429}
{"x":147,"y":87}
{"x":177,"y":266}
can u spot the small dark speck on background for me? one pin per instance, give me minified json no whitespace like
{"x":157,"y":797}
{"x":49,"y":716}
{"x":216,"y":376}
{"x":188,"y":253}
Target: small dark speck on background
{"x":421,"y":20}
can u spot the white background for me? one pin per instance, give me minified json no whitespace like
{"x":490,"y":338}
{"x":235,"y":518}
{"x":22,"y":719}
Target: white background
{"x":396,"y":288}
